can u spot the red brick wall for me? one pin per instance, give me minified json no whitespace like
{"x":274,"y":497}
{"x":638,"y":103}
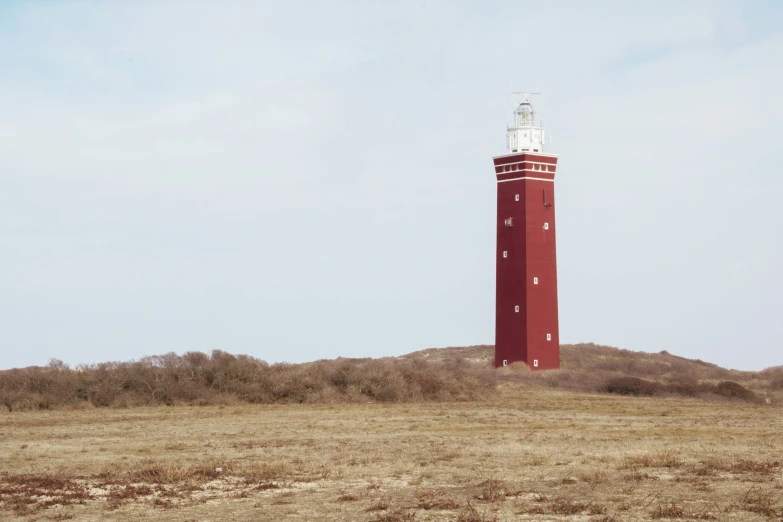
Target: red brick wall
{"x":531,"y":253}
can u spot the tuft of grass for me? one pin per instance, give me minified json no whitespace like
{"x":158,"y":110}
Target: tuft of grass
{"x":347,"y":497}
{"x":675,"y":511}
{"x":758,"y":500}
{"x":670,"y":511}
{"x":155,"y":472}
{"x":738,"y":466}
{"x":493,"y":491}
{"x":380,"y":504}
{"x":638,"y":476}
{"x":430,"y":499}
{"x":471,"y":514}
{"x":398,"y":515}
{"x":661,"y":459}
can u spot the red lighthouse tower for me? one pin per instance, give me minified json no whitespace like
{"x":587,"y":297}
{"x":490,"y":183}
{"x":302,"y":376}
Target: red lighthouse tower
{"x":526,"y":325}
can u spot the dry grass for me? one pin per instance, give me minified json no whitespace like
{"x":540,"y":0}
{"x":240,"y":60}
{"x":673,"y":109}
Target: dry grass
{"x":532,"y":454}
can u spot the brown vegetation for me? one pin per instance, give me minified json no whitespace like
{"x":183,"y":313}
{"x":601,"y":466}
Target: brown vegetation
{"x":222,"y":378}
{"x":641,"y":387}
{"x":590,"y":368}
{"x":449,"y":374}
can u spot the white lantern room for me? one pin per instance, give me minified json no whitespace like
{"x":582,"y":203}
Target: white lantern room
{"x":524,"y":135}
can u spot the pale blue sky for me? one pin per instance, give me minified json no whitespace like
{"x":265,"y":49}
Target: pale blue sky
{"x":305,"y":180}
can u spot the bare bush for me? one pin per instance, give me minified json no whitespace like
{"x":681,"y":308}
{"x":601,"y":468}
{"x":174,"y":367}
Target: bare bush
{"x":632,"y":386}
{"x":201,"y":379}
{"x":449,"y":374}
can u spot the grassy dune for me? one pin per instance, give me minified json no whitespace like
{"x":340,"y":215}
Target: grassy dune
{"x":450,"y":374}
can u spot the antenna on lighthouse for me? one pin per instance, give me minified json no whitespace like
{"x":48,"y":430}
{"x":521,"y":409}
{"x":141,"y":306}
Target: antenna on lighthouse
{"x":526,"y":96}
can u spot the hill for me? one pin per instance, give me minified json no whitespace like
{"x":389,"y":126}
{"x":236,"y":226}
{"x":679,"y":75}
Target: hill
{"x":435,"y":374}
{"x":590,"y":367}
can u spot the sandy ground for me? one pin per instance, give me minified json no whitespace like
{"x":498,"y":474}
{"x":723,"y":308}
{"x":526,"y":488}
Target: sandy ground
{"x":531,"y":455}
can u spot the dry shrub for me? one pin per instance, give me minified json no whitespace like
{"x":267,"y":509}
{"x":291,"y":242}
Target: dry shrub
{"x":640,"y":387}
{"x":638,"y":476}
{"x":154,"y":472}
{"x":715,"y":464}
{"x":595,"y":478}
{"x":129,"y":492}
{"x":493,"y":491}
{"x":670,"y":511}
{"x":398,"y":515}
{"x":632,"y":386}
{"x":734,"y":390}
{"x":347,"y":497}
{"x":451,"y":374}
{"x":222,"y":378}
{"x":760,"y":501}
{"x":379,"y":505}
{"x":564,"y":506}
{"x":430,"y":499}
{"x":266,"y":486}
{"x":471,"y":514}
{"x":661,"y":459}
{"x":675,"y":511}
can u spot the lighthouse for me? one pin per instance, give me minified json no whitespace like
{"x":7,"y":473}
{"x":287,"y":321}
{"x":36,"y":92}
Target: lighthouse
{"x":526,"y":319}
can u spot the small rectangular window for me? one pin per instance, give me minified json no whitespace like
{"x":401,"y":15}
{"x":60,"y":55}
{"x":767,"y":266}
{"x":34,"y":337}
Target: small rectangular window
{"x":546,"y":226}
{"x":535,"y":363}
{"x":505,"y":362}
{"x":548,"y":337}
{"x":516,"y":197}
{"x":516,"y":308}
{"x":505,"y":253}
{"x":535,"y":280}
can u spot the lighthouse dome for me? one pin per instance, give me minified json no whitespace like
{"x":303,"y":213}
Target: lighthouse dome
{"x":524,"y":107}
{"x":525,"y":115}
